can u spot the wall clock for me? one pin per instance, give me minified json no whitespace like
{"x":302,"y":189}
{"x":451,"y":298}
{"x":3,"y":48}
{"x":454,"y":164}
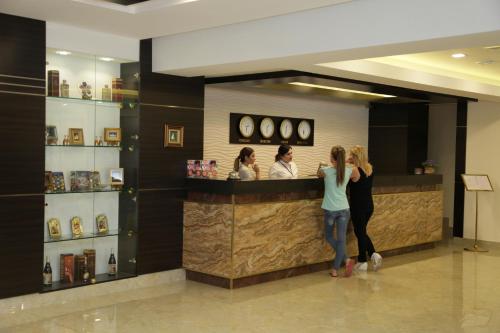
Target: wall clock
{"x":286,"y":129}
{"x":247,"y":126}
{"x":304,"y":130}
{"x":267,"y":127}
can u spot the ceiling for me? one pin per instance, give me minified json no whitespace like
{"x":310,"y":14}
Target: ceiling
{"x":155,"y":18}
{"x":480,"y":64}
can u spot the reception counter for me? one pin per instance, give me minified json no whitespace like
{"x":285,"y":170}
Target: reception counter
{"x":240,"y":233}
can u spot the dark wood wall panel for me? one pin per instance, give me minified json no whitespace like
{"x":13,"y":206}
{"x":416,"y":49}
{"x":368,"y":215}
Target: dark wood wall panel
{"x":172,"y":100}
{"x":397,"y":138}
{"x":460,"y":158}
{"x":22,"y":123}
{"x":166,"y":167}
{"x":160,"y":238}
{"x":21,"y":244}
{"x":22,"y":151}
{"x":22,"y":46}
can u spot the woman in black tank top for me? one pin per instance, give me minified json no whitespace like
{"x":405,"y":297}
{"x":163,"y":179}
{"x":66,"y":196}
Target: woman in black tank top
{"x":361,"y":205}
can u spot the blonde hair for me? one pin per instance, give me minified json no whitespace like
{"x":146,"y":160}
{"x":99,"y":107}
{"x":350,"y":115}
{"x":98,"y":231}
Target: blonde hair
{"x":360,"y":159}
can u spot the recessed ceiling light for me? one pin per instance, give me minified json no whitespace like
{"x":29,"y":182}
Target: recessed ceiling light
{"x":458,"y":55}
{"x":339,"y":89}
{"x":62,"y":52}
{"x":106,"y":59}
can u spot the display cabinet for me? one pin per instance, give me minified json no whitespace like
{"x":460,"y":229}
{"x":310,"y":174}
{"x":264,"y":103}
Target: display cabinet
{"x":91,"y":149}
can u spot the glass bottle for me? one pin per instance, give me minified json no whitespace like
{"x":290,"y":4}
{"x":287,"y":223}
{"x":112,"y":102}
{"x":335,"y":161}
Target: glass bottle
{"x":47,"y":273}
{"x":112,"y":264}
{"x":86,"y":273}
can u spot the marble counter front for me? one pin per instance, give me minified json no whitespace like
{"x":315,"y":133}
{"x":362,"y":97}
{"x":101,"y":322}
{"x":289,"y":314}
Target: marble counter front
{"x":239,"y":233}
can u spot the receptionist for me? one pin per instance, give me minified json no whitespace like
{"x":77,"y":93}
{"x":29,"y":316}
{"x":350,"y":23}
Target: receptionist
{"x":246,"y":166}
{"x":284,"y":167}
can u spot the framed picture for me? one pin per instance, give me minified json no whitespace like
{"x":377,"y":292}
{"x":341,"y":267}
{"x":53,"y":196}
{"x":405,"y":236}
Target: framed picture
{"x":58,"y":184}
{"x":80,"y":181}
{"x":76,"y":136}
{"x":48,"y":183}
{"x":116,"y":176}
{"x":101,"y":221}
{"x":76,"y":227}
{"x":173,"y":136}
{"x":50,"y":135}
{"x":112,"y":136}
{"x":95,"y":180}
{"x":54,"y":228}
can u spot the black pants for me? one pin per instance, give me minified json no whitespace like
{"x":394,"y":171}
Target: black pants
{"x":360,"y":218}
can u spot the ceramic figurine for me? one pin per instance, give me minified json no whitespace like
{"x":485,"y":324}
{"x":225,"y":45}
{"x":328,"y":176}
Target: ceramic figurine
{"x":86,"y":90}
{"x":65,"y":141}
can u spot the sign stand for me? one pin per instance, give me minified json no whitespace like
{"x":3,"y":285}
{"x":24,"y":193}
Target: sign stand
{"x":476,"y":183}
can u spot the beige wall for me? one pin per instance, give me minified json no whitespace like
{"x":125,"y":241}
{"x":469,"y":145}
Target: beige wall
{"x":335,"y":123}
{"x":483,"y":156}
{"x":441,"y":148}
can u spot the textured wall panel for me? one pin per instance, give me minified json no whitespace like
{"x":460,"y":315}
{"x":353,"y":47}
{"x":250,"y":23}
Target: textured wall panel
{"x":335,"y":124}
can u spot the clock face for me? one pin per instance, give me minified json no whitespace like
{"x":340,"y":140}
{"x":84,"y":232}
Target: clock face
{"x":304,"y":130}
{"x":286,"y":129}
{"x":267,"y":127}
{"x":247,"y":126}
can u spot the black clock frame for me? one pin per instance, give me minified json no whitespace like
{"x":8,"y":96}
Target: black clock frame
{"x":276,"y":139}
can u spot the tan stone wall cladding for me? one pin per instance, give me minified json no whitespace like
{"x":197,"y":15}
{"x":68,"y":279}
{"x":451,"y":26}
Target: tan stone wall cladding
{"x":274,"y":236}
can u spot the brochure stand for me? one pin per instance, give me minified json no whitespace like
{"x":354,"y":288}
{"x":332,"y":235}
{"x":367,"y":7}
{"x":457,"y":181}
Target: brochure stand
{"x":476,"y":183}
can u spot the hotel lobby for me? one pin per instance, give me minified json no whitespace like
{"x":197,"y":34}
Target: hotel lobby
{"x":124,"y":198}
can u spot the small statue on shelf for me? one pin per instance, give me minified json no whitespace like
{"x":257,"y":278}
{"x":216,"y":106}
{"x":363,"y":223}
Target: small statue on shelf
{"x":98,"y":141}
{"x":106,"y":93}
{"x":65,"y":141}
{"x":86,"y":90}
{"x":64,"y":89}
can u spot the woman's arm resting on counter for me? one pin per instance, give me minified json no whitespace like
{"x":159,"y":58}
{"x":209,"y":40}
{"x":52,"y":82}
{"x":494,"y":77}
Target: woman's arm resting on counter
{"x":320,"y":172}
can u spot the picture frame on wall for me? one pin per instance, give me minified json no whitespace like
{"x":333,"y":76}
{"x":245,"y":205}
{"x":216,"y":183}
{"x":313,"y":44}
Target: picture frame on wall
{"x":76,"y":136}
{"x":173,"y":136}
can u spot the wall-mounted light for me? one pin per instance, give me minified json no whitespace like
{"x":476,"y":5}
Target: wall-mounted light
{"x":62,"y":52}
{"x":302,"y":84}
{"x":458,"y":55}
{"x":106,"y":59}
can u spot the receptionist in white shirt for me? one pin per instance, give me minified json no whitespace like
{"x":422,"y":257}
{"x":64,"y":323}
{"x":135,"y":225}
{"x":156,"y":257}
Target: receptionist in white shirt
{"x":246,"y":166}
{"x":284,"y":167}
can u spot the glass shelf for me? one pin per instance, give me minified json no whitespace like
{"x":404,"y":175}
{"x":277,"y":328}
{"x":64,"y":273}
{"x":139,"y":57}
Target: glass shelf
{"x":82,"y":146}
{"x":99,"y":278}
{"x":84,"y":236}
{"x":89,"y":191}
{"x":84,"y":101}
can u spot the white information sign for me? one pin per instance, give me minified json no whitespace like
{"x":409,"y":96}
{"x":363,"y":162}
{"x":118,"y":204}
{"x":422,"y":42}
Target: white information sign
{"x":477,"y":182}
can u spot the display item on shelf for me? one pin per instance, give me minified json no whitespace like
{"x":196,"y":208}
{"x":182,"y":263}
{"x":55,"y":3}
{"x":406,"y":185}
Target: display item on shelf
{"x":67,"y":267}
{"x":54,"y":228}
{"x":76,"y":227}
{"x":47,"y":273}
{"x":117,"y":86}
{"x":90,"y":254}
{"x":106,"y":93}
{"x":64,"y":89}
{"x":86,"y":90}
{"x":53,"y":83}
{"x":112,"y":264}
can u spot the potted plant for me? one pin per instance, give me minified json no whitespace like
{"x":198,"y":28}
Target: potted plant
{"x":429,"y":166}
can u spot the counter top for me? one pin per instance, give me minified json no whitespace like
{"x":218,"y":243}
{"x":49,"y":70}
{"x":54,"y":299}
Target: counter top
{"x":228,"y":187}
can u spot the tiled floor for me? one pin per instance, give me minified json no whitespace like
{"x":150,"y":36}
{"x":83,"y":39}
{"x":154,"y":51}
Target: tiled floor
{"x":440,"y":290}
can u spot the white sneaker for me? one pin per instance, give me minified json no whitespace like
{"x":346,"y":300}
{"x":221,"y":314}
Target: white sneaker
{"x":376,"y":261}
{"x":361,"y":266}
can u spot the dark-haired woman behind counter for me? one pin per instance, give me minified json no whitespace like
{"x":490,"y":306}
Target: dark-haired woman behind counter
{"x":284,"y":167}
{"x":246,"y":166}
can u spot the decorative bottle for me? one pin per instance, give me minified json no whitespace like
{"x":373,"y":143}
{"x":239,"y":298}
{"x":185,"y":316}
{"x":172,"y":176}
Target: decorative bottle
{"x":47,"y":273}
{"x":86,"y":273}
{"x":112,"y":264}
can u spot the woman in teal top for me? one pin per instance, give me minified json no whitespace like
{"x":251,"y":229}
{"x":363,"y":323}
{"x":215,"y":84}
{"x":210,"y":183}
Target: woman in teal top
{"x":336,"y":206}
